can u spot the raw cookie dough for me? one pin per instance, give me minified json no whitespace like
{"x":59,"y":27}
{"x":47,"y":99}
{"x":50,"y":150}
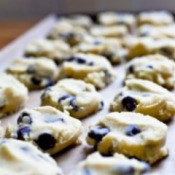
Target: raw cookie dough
{"x":34,"y":73}
{"x":77,"y":97}
{"x":131,"y":134}
{"x":56,"y":50}
{"x":13,"y":95}
{"x":140,"y":46}
{"x":46,"y":127}
{"x":157,"y":32}
{"x":110,"y":48}
{"x":19,"y":158}
{"x":117,"y":31}
{"x":79,"y":20}
{"x":155,"y":18}
{"x":94,"y":69}
{"x":156,"y":68}
{"x":113,"y":18}
{"x":145,"y":97}
{"x":96,"y":164}
{"x":64,"y":30}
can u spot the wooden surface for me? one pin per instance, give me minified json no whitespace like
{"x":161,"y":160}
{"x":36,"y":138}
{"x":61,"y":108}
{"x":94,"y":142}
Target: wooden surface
{"x":69,"y":158}
{"x":9,"y":30}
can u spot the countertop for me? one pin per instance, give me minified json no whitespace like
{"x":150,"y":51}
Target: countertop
{"x":9,"y":30}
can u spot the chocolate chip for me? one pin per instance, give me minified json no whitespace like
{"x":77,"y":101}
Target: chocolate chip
{"x":150,"y":66}
{"x":108,"y":55}
{"x":64,"y":97}
{"x":23,"y":132}
{"x":98,"y":132}
{"x":31,"y":69}
{"x":36,"y":80}
{"x":125,"y":170}
{"x":133,"y":130}
{"x":131,"y":69}
{"x":73,"y":104}
{"x":24,"y":118}
{"x":129,"y":103}
{"x":46,"y":141}
{"x":78,"y":60}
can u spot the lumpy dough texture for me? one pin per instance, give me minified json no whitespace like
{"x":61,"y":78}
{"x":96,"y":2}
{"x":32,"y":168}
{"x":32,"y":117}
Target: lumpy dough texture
{"x":155,"y":18}
{"x":34,"y":73}
{"x":91,"y":68}
{"x":19,"y":158}
{"x":113,"y":18}
{"x":68,"y":32}
{"x":145,"y":97}
{"x":56,"y":50}
{"x":156,"y":68}
{"x":46,"y":127}
{"x":13,"y":95}
{"x":77,"y":97}
{"x":108,"y":47}
{"x":140,"y":46}
{"x":116,"y":31}
{"x":96,"y":164}
{"x":131,"y":134}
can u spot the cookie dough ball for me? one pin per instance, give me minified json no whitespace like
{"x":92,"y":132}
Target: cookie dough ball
{"x":79,"y":20}
{"x":18,"y":157}
{"x":13,"y":95}
{"x":140,"y":46}
{"x":110,"y":48}
{"x":47,"y":128}
{"x":155,"y":18}
{"x":91,"y":68}
{"x":145,"y":97}
{"x":116,"y":165}
{"x":56,"y":50}
{"x":64,"y":30}
{"x":157,"y":32}
{"x":78,"y":98}
{"x":117,"y":31}
{"x":156,"y":68}
{"x":131,"y":134}
{"x":34,"y":73}
{"x":113,"y":18}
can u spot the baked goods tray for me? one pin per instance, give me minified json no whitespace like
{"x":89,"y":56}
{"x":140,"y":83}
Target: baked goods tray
{"x":68,"y":159}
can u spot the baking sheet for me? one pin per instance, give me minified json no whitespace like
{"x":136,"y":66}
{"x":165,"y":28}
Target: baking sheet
{"x":68,"y":158}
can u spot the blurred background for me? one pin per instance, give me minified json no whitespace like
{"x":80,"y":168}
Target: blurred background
{"x":16,"y":16}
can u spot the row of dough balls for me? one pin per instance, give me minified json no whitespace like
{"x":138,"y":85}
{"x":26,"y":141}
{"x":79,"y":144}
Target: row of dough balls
{"x":138,"y":94}
{"x":163,"y":151}
{"x":51,"y":131}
